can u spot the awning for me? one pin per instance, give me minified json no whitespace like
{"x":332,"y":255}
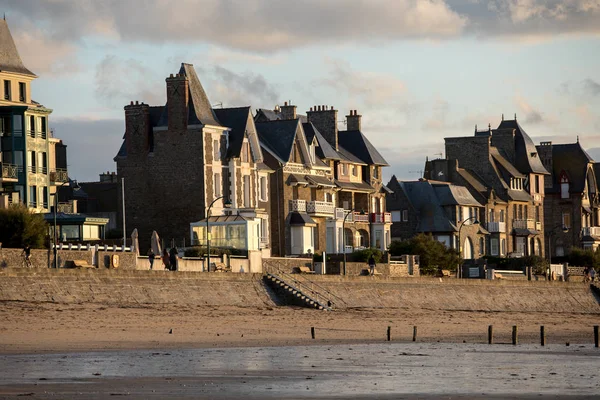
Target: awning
{"x":319,"y":181}
{"x":296,"y":179}
{"x":301,"y":219}
{"x":358,"y":187}
{"x":482,"y":230}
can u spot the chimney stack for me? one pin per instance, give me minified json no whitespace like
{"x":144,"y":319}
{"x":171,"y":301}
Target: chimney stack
{"x":325,"y":120}
{"x":353,"y":122}
{"x":177,"y":101}
{"x":288,"y":111}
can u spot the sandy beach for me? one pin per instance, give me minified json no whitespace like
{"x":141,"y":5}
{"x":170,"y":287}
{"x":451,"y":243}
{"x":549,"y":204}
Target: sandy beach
{"x":29,"y":327}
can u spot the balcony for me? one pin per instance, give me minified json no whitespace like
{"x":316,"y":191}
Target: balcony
{"x":380,"y":218}
{"x":496,"y":227}
{"x":590,"y":231}
{"x":320,"y":208}
{"x":357,"y":217}
{"x":8,"y":173}
{"x":298,"y":206}
{"x":60,"y":176}
{"x":528,"y":223}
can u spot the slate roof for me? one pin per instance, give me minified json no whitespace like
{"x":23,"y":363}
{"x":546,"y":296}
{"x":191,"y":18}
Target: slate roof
{"x":505,"y":164}
{"x":265,"y":114}
{"x":297,"y":218}
{"x":450,"y":195}
{"x":425,"y":202}
{"x":345,"y":155}
{"x":325,"y":150}
{"x":10,"y":61}
{"x":361,"y":187}
{"x":200,"y":111}
{"x":236,"y":119}
{"x":357,"y":143}
{"x":572,"y":159}
{"x":278,"y":136}
{"x":526,"y":157}
{"x":518,"y":195}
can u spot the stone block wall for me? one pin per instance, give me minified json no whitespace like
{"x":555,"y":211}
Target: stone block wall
{"x":43,"y":258}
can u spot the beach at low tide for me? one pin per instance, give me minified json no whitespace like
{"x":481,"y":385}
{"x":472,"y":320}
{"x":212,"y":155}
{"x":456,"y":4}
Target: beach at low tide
{"x":356,"y":371}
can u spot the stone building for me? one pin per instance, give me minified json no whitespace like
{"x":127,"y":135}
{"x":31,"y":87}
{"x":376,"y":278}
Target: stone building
{"x":447,"y":212}
{"x":329,"y":194}
{"x":571,"y":199}
{"x":503,"y":171}
{"x":32,"y":162}
{"x":180,"y":158}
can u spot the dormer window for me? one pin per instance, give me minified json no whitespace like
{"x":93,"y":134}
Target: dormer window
{"x":6,"y":90}
{"x":516,"y":183}
{"x":22,"y":91}
{"x":564,"y":186}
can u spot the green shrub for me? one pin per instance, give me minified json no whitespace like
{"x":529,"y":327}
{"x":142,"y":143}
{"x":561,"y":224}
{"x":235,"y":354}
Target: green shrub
{"x":433,"y":255}
{"x":20,"y":226}
{"x":365,"y":254}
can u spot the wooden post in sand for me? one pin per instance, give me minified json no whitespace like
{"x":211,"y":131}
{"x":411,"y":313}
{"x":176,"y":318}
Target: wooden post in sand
{"x":414,"y":333}
{"x":491,"y":334}
{"x":542,"y":336}
{"x":515,"y":338}
{"x":312,"y":331}
{"x":595,"y":335}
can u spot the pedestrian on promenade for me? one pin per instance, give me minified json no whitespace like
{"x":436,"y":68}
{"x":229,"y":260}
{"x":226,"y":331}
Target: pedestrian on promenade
{"x":151,"y":257}
{"x":372,"y":265}
{"x":27,"y":256}
{"x":165,"y":259}
{"x":173,"y":258}
{"x":592,"y":274}
{"x":586,"y":274}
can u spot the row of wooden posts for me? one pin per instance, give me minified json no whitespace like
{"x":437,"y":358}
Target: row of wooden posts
{"x":515,"y":334}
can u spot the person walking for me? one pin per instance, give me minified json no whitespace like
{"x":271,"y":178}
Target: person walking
{"x":372,"y":265}
{"x":165,"y":260}
{"x":27,"y":256}
{"x":151,"y":257}
{"x":592,"y":274}
{"x":173,"y":258}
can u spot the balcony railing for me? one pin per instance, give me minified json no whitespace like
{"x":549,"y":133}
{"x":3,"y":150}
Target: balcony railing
{"x":320,"y":208}
{"x":59,"y":176}
{"x":590,"y":231}
{"x":360,"y":218}
{"x":66,"y":208}
{"x":495,"y":227}
{"x":528,"y":223}
{"x":340,"y":213}
{"x":8,"y":172}
{"x":298,"y":205}
{"x":380,"y":218}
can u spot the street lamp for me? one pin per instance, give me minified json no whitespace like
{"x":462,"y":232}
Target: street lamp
{"x":362,"y":212}
{"x":227,"y":204}
{"x":475,"y":222}
{"x":550,"y":234}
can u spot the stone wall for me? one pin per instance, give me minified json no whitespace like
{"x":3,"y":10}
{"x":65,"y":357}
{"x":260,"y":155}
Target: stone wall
{"x":42,"y":258}
{"x":286,"y":263}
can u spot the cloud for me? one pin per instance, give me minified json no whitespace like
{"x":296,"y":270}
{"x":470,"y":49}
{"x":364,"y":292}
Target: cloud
{"x":591,"y":87}
{"x":118,"y":81}
{"x":532,"y":115}
{"x":83,"y":135}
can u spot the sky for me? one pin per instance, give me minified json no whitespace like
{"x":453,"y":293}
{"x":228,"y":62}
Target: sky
{"x":416,"y":70}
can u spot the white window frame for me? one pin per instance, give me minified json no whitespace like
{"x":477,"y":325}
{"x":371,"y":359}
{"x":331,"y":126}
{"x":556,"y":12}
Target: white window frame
{"x":494,"y":246}
{"x":397,"y":216}
{"x":263,"y":188}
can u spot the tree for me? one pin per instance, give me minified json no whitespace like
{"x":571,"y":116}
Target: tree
{"x":19,"y":226}
{"x":432,"y":254}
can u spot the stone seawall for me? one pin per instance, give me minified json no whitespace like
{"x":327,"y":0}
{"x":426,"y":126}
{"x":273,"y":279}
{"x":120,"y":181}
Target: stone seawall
{"x":136,"y":288}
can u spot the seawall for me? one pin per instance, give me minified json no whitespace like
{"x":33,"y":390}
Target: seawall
{"x":138,"y":288}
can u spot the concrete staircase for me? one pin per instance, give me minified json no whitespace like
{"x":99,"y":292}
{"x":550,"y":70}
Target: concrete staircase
{"x":297,"y":293}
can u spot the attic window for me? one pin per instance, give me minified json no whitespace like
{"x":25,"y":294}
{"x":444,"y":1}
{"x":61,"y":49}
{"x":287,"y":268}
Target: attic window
{"x":564,"y":186}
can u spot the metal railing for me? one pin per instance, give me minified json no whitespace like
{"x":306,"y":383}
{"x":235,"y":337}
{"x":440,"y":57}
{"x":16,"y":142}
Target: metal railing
{"x":590,"y":231}
{"x":320,"y":207}
{"x":381,"y":217}
{"x":59,"y":175}
{"x":528,"y":223}
{"x":304,"y":284}
{"x":357,"y":217}
{"x":8,"y":171}
{"x":339,"y":213}
{"x":298,"y":205}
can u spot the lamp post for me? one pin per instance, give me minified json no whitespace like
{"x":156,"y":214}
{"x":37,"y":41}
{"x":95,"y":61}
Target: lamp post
{"x":54,"y":251}
{"x":362,"y":212}
{"x":475,"y":222}
{"x":227,"y":204}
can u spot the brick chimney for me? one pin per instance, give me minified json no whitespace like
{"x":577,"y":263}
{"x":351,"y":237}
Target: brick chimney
{"x":288,"y":111}
{"x":353,"y":121}
{"x":325,"y":120}
{"x":177,"y":101}
{"x":137,"y":128}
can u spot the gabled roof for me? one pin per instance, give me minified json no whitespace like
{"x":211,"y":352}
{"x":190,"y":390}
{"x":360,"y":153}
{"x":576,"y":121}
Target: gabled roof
{"x":572,"y":159}
{"x":278,"y":136}
{"x":526,"y":157}
{"x":346,"y":156}
{"x":265,"y":114}
{"x":10,"y":61}
{"x":504,"y":163}
{"x":325,"y":150}
{"x":424,"y":201}
{"x":359,"y":145}
{"x":200,"y":110}
{"x":451,"y":195}
{"x":237,"y":120}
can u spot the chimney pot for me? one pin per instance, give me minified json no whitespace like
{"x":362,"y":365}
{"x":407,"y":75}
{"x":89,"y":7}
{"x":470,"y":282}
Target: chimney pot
{"x":136,"y":103}
{"x":131,"y":103}
{"x":171,"y":75}
{"x":285,"y":103}
{"x":311,"y":109}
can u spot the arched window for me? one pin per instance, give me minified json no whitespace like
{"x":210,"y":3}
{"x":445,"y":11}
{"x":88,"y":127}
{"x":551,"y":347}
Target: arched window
{"x":468,"y":249}
{"x":564,"y":186}
{"x":501,"y":215}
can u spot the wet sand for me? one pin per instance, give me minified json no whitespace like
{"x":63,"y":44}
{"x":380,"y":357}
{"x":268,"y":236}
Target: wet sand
{"x":50,"y":327}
